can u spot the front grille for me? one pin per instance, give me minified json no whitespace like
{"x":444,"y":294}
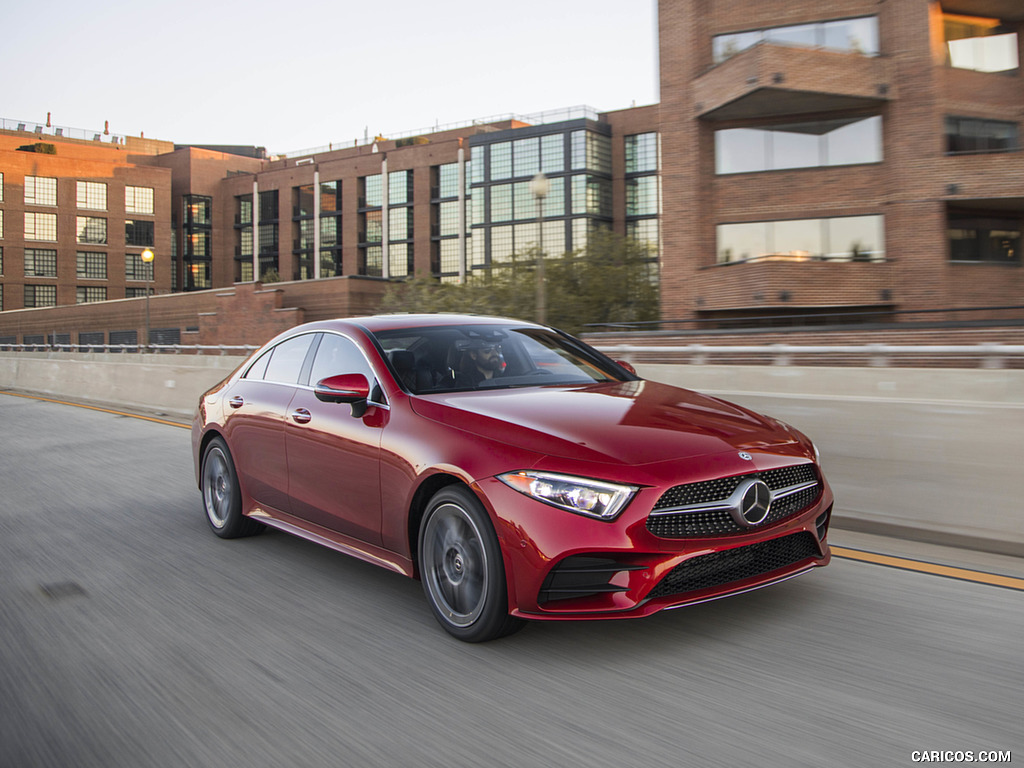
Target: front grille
{"x":731,"y":565}
{"x":696,"y":523}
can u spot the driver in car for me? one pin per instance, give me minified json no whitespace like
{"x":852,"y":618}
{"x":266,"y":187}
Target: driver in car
{"x":480,"y":363}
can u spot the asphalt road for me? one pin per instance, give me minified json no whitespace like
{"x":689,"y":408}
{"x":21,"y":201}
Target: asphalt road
{"x":131,"y":636}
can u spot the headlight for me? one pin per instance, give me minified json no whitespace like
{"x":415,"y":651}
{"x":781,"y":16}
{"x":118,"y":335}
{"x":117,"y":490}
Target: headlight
{"x":573,"y":494}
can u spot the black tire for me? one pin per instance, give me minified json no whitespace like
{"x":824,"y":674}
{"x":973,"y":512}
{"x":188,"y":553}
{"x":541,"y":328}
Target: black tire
{"x":222,"y":496}
{"x":462,"y":569}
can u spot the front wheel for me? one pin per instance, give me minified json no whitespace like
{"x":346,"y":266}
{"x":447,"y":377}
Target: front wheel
{"x":462,"y":569}
{"x":222,"y":496}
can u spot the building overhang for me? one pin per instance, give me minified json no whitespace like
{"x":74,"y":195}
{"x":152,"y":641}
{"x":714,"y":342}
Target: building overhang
{"x":1006,"y":10}
{"x":773,"y":81}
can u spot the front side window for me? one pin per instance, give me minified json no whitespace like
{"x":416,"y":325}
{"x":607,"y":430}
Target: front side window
{"x":335,"y":356}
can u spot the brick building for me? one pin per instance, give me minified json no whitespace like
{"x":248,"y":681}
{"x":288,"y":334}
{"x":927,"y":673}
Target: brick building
{"x":806,"y":158}
{"x":846,"y":155}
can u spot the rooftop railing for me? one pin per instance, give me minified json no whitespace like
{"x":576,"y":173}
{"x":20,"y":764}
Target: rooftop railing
{"x":41,"y":129}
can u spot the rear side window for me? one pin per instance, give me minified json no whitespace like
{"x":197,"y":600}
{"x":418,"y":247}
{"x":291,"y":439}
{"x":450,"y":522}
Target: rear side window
{"x":283,"y":362}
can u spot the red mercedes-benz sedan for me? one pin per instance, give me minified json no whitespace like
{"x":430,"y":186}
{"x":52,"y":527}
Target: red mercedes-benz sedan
{"x":518,"y":473}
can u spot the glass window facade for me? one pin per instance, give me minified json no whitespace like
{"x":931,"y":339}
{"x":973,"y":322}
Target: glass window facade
{"x":857,"y":35}
{"x":969,"y":134}
{"x":92,"y":230}
{"x":641,"y":152}
{"x":244,"y":205}
{"x":41,"y":226}
{"x":844,"y":141}
{"x":980,"y":44}
{"x":504,"y":214}
{"x":399,"y":187}
{"x":40,"y":296}
{"x":139,"y":200}
{"x":848,"y":238}
{"x":92,"y":195}
{"x":40,"y":190}
{"x":984,"y":240}
{"x":198,"y":210}
{"x":136,"y":233}
{"x":92,"y":265}
{"x":642,"y":196}
{"x":501,"y":160}
{"x":330,"y":197}
{"x":373,"y":192}
{"x":269,"y":205}
{"x":448,"y":180}
{"x":89,"y":293}
{"x":136,"y":269}
{"x":40,"y":262}
{"x":591,"y":152}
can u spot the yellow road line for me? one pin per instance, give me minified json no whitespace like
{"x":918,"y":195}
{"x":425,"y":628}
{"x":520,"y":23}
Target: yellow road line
{"x":101,"y":410}
{"x":902,"y":563}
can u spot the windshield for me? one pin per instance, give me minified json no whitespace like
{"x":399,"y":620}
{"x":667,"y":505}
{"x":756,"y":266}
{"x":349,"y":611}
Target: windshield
{"x":466,"y":357}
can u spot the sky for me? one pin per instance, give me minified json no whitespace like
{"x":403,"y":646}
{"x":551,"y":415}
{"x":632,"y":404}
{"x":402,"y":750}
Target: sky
{"x":291,"y":75}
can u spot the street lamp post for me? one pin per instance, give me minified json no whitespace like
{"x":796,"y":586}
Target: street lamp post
{"x":539,"y":186}
{"x":147,"y":258}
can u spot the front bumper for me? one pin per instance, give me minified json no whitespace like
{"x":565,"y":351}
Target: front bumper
{"x":564,"y":566}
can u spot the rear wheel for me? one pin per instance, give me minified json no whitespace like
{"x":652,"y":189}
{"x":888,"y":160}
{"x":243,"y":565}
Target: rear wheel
{"x":462,"y":569}
{"x":222,"y":496}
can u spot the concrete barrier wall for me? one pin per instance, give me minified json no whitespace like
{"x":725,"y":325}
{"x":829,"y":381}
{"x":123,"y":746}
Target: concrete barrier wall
{"x":163,"y":384}
{"x":930,"y":454}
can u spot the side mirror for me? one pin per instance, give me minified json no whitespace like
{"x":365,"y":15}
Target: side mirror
{"x":346,"y":388}
{"x":628,"y":366}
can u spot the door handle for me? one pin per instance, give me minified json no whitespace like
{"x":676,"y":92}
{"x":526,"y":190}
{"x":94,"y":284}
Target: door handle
{"x":236,"y":401}
{"x":301,"y":416}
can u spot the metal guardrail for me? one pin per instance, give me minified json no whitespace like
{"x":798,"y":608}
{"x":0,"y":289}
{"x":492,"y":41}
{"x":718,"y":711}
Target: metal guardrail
{"x":879,"y":355}
{"x":990,"y":355}
{"x":199,"y":349}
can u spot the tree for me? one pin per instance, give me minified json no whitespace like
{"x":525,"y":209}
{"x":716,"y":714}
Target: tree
{"x":612,"y":280}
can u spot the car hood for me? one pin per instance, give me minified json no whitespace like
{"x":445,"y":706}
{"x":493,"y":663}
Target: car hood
{"x":632,"y":422}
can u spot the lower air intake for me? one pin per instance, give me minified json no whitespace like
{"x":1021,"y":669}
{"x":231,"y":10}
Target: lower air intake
{"x":727,"y":566}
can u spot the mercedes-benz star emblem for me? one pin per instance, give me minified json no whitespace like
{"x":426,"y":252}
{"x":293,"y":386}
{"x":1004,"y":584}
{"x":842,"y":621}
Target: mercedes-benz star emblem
{"x":754,"y":501}
{"x":746,"y":456}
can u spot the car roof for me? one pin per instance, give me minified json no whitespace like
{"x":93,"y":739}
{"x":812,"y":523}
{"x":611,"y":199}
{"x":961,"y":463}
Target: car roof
{"x":377,"y":323}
